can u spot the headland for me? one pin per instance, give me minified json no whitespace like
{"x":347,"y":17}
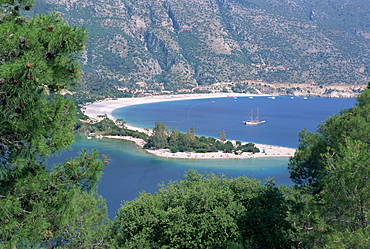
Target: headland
{"x":95,"y":111}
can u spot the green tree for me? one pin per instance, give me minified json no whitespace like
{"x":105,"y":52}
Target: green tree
{"x":333,"y":165}
{"x":307,"y":166}
{"x":43,"y":207}
{"x":189,"y":138}
{"x":38,"y":59}
{"x":174,"y":138}
{"x":345,"y":196}
{"x":228,"y":147}
{"x":120,"y":123}
{"x":159,"y":137}
{"x":249,"y":147}
{"x":222,"y":135}
{"x":56,"y":207}
{"x":265,"y":222}
{"x":337,"y":217}
{"x":205,"y":211}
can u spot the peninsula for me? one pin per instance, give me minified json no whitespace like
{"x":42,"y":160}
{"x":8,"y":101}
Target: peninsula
{"x":97,"y":110}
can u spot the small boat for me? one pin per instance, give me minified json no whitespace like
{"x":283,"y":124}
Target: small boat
{"x":254,"y":121}
{"x":272,"y":97}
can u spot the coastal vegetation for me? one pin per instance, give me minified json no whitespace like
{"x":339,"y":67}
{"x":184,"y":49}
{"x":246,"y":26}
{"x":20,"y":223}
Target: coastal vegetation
{"x":176,"y":141}
{"x":41,"y":206}
{"x":59,"y":206}
{"x":332,"y":167}
{"x":107,"y":126}
{"x":162,"y":138}
{"x":206,"y":211}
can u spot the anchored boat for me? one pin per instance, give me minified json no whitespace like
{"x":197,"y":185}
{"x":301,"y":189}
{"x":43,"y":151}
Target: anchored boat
{"x":254,"y":120}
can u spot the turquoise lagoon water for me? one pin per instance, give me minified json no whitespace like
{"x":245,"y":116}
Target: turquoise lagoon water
{"x":132,"y":170}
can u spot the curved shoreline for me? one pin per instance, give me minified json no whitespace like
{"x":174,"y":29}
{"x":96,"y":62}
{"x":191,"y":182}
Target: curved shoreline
{"x":107,"y":107}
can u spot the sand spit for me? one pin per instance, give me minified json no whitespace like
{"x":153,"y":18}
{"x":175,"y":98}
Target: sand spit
{"x":266,"y":151}
{"x":108,"y":106}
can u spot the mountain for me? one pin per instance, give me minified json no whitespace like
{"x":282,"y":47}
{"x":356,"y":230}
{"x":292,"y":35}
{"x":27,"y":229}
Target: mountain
{"x":175,"y":44}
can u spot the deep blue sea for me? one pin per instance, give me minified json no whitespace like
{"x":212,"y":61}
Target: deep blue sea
{"x":285,"y":117}
{"x":132,"y":170}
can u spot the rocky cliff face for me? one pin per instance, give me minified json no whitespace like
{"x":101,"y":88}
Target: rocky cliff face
{"x":176,"y":44}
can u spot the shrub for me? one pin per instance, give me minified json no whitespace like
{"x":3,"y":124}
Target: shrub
{"x":173,"y":149}
{"x":201,"y":151}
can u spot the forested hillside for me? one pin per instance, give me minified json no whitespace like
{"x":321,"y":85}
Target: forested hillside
{"x":176,"y":44}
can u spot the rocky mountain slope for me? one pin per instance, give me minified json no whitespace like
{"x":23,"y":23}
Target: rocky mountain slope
{"x":173,"y":44}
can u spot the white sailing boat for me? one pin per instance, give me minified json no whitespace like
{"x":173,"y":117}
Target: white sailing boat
{"x":254,"y":121}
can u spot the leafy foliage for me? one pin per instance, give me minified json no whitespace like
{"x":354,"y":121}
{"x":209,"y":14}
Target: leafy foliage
{"x":56,"y":207}
{"x":38,"y":58}
{"x":43,"y":207}
{"x":333,"y":165}
{"x":307,"y":166}
{"x":177,"y":141}
{"x":205,"y":211}
{"x":346,"y":186}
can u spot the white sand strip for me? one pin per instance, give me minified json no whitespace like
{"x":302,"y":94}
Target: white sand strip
{"x":106,"y":107}
{"x":269,"y":151}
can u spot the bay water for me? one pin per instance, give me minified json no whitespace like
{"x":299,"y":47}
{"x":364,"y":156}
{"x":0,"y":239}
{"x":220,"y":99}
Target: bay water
{"x":131,"y":170}
{"x":285,"y":117}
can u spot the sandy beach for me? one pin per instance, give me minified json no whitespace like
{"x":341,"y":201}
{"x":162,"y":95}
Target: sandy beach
{"x":96,"y":109}
{"x":108,"y":106}
{"x":269,"y":151}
